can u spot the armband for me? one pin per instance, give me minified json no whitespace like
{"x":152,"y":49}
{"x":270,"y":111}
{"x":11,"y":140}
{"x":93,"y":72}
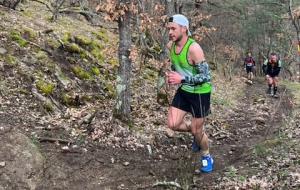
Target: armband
{"x":183,"y":79}
{"x":202,"y":75}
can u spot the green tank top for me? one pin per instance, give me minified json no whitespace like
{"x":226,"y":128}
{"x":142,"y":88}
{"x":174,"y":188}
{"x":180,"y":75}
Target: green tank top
{"x":182,"y":66}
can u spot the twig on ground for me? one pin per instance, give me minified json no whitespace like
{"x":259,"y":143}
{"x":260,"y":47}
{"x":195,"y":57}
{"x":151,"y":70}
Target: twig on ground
{"x":166,"y":183}
{"x":46,"y":139}
{"x":89,"y":117}
{"x":44,"y":4}
{"x":222,"y":137}
{"x":59,"y":39}
{"x":48,"y":128}
{"x":217,"y":133}
{"x":43,"y":49}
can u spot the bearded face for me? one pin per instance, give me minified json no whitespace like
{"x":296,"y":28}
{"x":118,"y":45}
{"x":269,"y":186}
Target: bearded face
{"x":273,"y":58}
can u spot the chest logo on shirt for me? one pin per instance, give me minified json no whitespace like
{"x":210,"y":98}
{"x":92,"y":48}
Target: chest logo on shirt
{"x":181,"y":62}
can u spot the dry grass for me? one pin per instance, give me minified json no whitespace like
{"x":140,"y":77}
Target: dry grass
{"x":227,"y":92}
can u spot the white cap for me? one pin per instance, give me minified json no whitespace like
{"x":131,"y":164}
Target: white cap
{"x":181,"y":20}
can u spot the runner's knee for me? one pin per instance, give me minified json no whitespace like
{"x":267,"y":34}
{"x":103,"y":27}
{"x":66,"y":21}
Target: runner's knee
{"x":197,"y":131}
{"x":173,"y":125}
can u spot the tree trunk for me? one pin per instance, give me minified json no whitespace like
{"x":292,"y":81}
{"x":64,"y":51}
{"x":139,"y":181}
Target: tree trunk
{"x":122,"y":108}
{"x":169,"y":11}
{"x":10,"y":3}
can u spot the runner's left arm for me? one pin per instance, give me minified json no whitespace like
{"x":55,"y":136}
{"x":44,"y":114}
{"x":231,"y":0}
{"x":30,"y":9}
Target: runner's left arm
{"x":203,"y":74}
{"x":278,"y":68}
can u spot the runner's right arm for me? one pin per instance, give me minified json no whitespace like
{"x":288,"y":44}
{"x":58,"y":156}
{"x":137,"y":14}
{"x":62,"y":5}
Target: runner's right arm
{"x":264,"y":67}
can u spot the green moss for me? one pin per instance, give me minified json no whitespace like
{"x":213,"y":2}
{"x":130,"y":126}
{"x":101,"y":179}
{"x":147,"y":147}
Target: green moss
{"x":104,"y":72}
{"x":99,"y":97}
{"x":95,"y":45}
{"x":111,"y":90}
{"x":29,"y":34}
{"x":273,"y":142}
{"x":11,"y":59}
{"x":81,"y":73}
{"x":82,"y":41}
{"x":48,"y":106}
{"x":36,"y":49}
{"x":157,"y":48}
{"x":2,"y":13}
{"x":45,"y":87}
{"x":101,"y":35}
{"x":162,"y":98}
{"x":148,"y":77}
{"x":67,"y":100}
{"x":96,"y":53}
{"x":135,"y":128}
{"x":85,"y":98}
{"x":73,"y":48}
{"x":145,"y":106}
{"x":72,"y":60}
{"x":27,"y":14}
{"x":95,"y":70}
{"x":52,"y":43}
{"x":113,"y":61}
{"x":148,"y":35}
{"x":16,"y":36}
{"x":82,"y":55}
{"x":22,"y":42}
{"x":23,"y":91}
{"x":65,"y":37}
{"x":108,"y":87}
{"x":91,"y":45}
{"x":2,"y":28}
{"x":158,"y":123}
{"x":39,"y":73}
{"x":49,"y":19}
{"x":103,"y":30}
{"x":41,"y":55}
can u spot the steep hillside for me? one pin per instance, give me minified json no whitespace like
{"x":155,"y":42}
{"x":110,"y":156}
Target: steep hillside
{"x":57,"y":130}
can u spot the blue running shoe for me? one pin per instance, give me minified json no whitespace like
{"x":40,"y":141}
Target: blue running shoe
{"x":195,"y":145}
{"x":207,"y":163}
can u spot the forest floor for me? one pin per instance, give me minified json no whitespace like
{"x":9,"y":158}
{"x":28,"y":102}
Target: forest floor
{"x":170,"y":164}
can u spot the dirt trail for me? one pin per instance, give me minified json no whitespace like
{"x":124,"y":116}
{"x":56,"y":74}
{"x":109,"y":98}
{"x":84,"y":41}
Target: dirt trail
{"x":255,"y":119}
{"x":98,"y":167}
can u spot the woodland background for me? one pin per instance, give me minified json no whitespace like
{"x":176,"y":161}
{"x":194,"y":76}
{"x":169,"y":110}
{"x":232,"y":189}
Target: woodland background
{"x":83,"y":102}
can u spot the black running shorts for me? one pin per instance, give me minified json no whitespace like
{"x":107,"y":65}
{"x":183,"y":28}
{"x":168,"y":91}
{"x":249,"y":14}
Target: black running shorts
{"x":196,"y":104}
{"x":272,"y":75}
{"x":249,"y":69}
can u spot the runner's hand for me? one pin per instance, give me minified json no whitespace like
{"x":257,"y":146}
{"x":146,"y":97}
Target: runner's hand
{"x":174,"y":78}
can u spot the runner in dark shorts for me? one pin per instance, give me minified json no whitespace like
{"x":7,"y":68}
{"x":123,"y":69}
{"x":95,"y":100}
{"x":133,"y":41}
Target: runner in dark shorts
{"x":249,"y":64}
{"x":271,"y":68}
{"x":191,"y":73}
{"x":196,"y":104}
